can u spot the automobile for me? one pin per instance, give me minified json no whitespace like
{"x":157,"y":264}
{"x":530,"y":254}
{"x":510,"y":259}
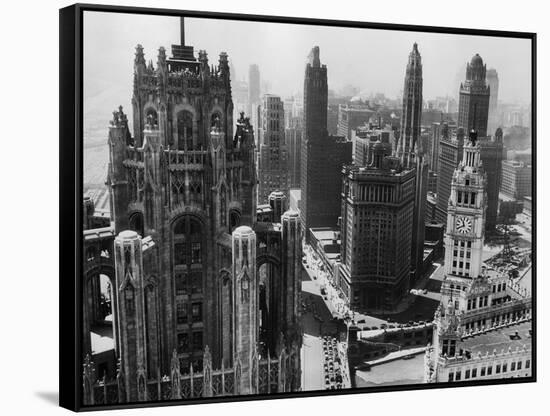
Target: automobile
{"x":383,"y":326}
{"x":361,"y":321}
{"x":391,"y":326}
{"x":374,"y":328}
{"x":425,"y":291}
{"x":366,"y":328}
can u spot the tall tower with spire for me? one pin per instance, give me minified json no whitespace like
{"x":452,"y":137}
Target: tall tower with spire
{"x":473,"y":106}
{"x":412,"y":109}
{"x":411,"y":153}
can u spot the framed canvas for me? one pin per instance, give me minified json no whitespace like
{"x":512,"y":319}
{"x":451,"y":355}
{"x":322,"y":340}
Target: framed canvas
{"x":257,"y":207}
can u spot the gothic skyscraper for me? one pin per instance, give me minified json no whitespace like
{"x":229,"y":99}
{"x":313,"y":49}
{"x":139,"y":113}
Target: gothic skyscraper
{"x":412,"y":108}
{"x":411,"y":153}
{"x":473,"y":106}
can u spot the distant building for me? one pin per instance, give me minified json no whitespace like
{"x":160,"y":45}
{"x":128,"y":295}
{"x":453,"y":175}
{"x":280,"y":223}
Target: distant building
{"x":492,"y":154}
{"x":516,"y":179}
{"x":273,"y":169}
{"x":377,"y":231}
{"x":473,"y":105}
{"x":492,"y":80}
{"x":364,"y":138}
{"x":450,"y":155}
{"x":293,"y":137}
{"x":322,"y":155}
{"x":253,"y":88}
{"x":350,"y":116}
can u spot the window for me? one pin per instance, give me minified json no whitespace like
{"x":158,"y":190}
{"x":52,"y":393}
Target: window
{"x":504,"y":367}
{"x":457,"y":376}
{"x":467,"y":375}
{"x":513,"y":367}
{"x":196,"y":253}
{"x":451,"y":376}
{"x":482,"y":371}
{"x":527,"y":364}
{"x":474,"y":373}
{"x":489,"y":370}
{"x":498,"y":369}
{"x":519,"y":365}
{"x":181,"y":283}
{"x":183,"y":342}
{"x":181,"y":313}
{"x":180,"y":253}
{"x":197,"y":311}
{"x":196,"y":282}
{"x":197,"y":341}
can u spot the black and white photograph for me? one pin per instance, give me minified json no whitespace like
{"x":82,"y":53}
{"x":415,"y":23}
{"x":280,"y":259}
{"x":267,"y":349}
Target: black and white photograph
{"x":273,"y":208}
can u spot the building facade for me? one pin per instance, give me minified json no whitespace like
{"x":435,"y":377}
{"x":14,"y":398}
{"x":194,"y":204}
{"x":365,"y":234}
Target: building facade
{"x":492,"y":154}
{"x":189,"y":265}
{"x":450,"y":155}
{"x":351,"y":116}
{"x":376,"y":231}
{"x":479,"y":310}
{"x":517,"y":179}
{"x":273,"y":166}
{"x":322,"y":156}
{"x":494,"y":119}
{"x":473,"y":105}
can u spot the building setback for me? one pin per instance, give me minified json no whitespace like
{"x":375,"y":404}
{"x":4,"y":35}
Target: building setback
{"x":273,"y":169}
{"x":322,"y":155}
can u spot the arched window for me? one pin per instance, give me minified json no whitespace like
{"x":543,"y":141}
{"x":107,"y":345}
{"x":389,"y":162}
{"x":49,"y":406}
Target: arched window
{"x":216,"y":121}
{"x":136,"y":223}
{"x":151,"y":116}
{"x":185,"y":130}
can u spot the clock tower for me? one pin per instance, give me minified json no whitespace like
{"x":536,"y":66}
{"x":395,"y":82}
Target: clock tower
{"x":466,"y":217}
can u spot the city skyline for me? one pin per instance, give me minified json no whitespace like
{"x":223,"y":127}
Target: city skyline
{"x":378,"y":69}
{"x":206,"y":275}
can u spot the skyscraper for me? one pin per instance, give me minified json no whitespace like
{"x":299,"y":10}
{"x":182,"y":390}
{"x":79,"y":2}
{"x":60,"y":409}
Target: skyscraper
{"x":492,"y":154}
{"x":473,"y":106}
{"x":322,"y":155}
{"x":450,"y":155}
{"x":411,"y":153}
{"x":492,"y":80}
{"x":273,"y":170}
{"x":377,"y":230}
{"x":412,"y":108}
{"x":253,"y":91}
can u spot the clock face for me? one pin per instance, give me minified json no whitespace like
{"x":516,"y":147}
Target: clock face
{"x":463,"y":225}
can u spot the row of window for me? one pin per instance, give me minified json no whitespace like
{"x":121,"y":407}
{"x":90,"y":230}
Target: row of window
{"x":488,"y":371}
{"x":186,"y":312}
{"x":479,"y":302}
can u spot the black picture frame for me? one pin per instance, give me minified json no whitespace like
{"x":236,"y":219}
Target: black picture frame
{"x":71,"y":183}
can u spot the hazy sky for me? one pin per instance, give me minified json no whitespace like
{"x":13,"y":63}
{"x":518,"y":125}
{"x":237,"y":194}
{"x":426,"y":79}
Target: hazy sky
{"x":373,"y":60}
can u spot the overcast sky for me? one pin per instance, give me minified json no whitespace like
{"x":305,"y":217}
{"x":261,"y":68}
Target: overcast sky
{"x":373,"y":60}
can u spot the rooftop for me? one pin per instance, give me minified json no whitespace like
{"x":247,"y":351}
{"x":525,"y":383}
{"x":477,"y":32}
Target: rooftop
{"x":512,"y":336}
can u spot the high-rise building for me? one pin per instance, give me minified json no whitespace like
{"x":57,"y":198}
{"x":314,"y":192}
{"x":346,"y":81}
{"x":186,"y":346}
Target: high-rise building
{"x":181,"y":254}
{"x":376,"y":231}
{"x":450,"y":155}
{"x":492,"y":154}
{"x":516,"y":179}
{"x":411,"y":153}
{"x":480,"y":309}
{"x":253,"y":88}
{"x":473,"y":105}
{"x":492,"y":81}
{"x":293,"y":137}
{"x":273,"y":169}
{"x":322,"y":155}
{"x":351,"y":116}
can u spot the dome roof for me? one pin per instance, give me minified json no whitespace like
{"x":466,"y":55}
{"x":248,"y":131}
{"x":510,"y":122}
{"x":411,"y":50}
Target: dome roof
{"x":476,"y":60}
